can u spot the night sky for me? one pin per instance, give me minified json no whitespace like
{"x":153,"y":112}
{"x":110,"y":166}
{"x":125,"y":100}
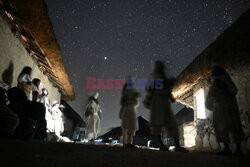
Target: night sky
{"x":116,"y":38}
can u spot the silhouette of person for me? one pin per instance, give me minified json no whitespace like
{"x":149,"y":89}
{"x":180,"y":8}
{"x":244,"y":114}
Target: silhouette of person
{"x":31,"y":114}
{"x":222,"y":101}
{"x":158,"y":100}
{"x":8,"y":119}
{"x":129,"y":103}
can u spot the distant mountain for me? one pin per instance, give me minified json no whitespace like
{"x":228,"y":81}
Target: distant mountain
{"x":141,"y":138}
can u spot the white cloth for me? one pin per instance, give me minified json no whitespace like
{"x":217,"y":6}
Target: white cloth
{"x":48,"y":116}
{"x":24,"y":78}
{"x":57,"y":118}
{"x":128,"y":115}
{"x":93,"y":120}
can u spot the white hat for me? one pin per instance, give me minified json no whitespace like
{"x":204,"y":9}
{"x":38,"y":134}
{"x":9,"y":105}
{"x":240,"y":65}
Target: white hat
{"x":96,"y":95}
{"x":62,"y":106}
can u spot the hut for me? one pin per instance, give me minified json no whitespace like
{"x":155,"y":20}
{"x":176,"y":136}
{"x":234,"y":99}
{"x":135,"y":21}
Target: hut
{"x":27,"y":39}
{"x":73,"y":122}
{"x":231,"y":50}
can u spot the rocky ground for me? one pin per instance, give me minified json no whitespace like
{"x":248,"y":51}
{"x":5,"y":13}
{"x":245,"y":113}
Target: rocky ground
{"x":40,"y":154}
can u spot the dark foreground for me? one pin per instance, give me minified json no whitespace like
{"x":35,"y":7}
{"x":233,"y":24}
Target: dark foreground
{"x":38,"y":154}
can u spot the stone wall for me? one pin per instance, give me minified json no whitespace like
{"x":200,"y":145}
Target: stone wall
{"x":13,"y":57}
{"x":205,"y":137}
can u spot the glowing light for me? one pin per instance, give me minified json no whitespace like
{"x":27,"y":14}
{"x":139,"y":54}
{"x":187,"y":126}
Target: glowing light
{"x":200,"y":104}
{"x":149,"y":143}
{"x":98,"y":140}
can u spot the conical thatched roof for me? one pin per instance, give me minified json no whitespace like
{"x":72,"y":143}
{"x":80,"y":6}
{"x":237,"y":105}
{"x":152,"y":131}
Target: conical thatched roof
{"x":229,"y":49}
{"x":34,"y":14}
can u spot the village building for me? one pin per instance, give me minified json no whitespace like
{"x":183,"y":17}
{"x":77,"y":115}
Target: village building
{"x":74,"y":125}
{"x":231,"y":50}
{"x":27,"y":39}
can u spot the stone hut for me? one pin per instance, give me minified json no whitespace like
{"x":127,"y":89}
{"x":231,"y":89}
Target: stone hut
{"x":27,"y":39}
{"x":73,"y":122}
{"x":231,"y":50}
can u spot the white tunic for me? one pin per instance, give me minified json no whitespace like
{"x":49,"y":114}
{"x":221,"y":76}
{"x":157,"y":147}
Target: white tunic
{"x":93,"y":120}
{"x":24,"y":78}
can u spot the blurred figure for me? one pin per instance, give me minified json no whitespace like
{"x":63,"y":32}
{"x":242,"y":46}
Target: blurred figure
{"x":62,"y":108}
{"x":48,"y":116}
{"x":226,"y":119}
{"x":24,"y":80}
{"x":57,"y":118}
{"x":129,"y":103}
{"x":93,"y":119}
{"x":8,"y":119}
{"x":31,"y":114}
{"x":158,"y":101}
{"x":35,"y":95}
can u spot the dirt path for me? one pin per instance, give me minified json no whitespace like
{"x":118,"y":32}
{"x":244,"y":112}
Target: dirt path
{"x":37,"y":154}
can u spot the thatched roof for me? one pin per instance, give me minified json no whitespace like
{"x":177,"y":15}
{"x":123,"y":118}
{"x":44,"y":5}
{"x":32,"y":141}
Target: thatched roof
{"x":229,"y":49}
{"x":70,"y":113}
{"x":34,"y":14}
{"x":185,"y":115}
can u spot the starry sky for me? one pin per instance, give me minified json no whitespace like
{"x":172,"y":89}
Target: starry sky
{"x":116,"y":38}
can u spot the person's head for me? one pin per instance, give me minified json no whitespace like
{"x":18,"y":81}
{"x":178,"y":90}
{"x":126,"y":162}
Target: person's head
{"x":128,"y":79}
{"x":45,"y":92}
{"x":26,"y":70}
{"x":96,"y":95}
{"x":3,"y":96}
{"x":36,"y":82}
{"x":16,"y":96}
{"x":218,"y":71}
{"x":159,"y":66}
{"x":62,"y":107}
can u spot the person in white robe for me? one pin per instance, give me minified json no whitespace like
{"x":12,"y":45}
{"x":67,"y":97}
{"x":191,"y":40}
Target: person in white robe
{"x":57,"y":118}
{"x":48,"y":116}
{"x":93,"y":120}
{"x":128,"y":115}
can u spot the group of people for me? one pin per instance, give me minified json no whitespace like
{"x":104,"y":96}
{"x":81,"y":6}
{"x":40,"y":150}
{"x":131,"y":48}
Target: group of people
{"x":221,"y":99}
{"x":25,"y":110}
{"x":158,"y":102}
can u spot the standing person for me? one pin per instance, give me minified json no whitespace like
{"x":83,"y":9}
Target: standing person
{"x":93,"y":120}
{"x":24,"y":80}
{"x":62,"y":108}
{"x":129,"y":103}
{"x":158,"y":100}
{"x":48,"y":116}
{"x":226,"y":119}
{"x":57,"y":118}
{"x":35,"y":94}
